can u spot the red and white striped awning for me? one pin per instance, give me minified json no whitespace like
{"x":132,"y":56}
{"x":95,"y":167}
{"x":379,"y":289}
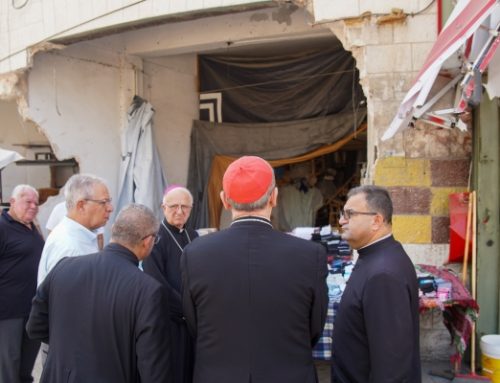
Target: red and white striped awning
{"x":466,"y":18}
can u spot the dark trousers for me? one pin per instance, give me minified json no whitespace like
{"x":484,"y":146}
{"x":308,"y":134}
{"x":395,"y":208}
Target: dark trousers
{"x":182,"y":355}
{"x":17,"y":352}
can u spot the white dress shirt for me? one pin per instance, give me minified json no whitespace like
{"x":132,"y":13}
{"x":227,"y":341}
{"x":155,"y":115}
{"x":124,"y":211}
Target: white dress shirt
{"x":68,"y":239}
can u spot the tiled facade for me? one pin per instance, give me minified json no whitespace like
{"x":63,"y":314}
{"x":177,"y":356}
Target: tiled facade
{"x":420,"y":189}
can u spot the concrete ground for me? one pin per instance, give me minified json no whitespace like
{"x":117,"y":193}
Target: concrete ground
{"x":430,"y":371}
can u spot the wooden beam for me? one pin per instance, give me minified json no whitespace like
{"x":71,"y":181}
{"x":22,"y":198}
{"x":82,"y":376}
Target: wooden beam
{"x":487,"y":179}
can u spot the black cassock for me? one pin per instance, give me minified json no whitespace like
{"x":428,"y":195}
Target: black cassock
{"x":105,"y":319}
{"x":164,"y":265}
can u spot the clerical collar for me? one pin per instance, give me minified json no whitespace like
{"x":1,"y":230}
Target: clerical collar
{"x":173,"y":236}
{"x":374,"y":242}
{"x":252,"y":218}
{"x":172,"y":227}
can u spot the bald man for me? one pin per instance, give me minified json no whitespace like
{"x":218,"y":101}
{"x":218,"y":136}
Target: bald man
{"x":164,"y":266}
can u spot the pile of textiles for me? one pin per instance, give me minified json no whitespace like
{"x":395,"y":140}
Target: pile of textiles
{"x":459,"y":309}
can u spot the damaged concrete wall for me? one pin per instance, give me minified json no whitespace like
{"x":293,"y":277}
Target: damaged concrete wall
{"x":339,"y":9}
{"x":16,"y":134}
{"x":420,"y":166}
{"x":171,"y":87}
{"x":24,"y":25}
{"x":388,"y":54}
{"x":76,"y":102}
{"x":169,"y":53}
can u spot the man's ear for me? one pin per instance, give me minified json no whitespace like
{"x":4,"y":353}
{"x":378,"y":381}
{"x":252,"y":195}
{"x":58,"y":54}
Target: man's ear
{"x":274,"y":197}
{"x":378,"y":221}
{"x":80,"y":204}
{"x":226,"y":204}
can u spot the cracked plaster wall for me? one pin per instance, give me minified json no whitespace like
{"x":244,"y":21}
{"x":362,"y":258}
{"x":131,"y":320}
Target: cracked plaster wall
{"x":15,"y":131}
{"x":37,"y":21}
{"x":171,"y":87}
{"x":77,"y":102}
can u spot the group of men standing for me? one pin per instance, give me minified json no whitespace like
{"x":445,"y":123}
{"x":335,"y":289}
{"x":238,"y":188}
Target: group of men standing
{"x":245,"y":304}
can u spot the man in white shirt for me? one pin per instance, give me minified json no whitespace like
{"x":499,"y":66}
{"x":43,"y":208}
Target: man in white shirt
{"x":59,"y":212}
{"x":89,"y":207}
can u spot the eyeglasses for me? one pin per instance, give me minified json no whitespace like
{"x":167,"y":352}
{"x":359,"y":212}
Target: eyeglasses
{"x":156,"y":237}
{"x":184,"y":208}
{"x":348,"y":213}
{"x":102,"y":202}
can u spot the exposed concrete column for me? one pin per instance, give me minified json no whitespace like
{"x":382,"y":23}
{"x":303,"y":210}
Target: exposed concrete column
{"x":420,"y":166}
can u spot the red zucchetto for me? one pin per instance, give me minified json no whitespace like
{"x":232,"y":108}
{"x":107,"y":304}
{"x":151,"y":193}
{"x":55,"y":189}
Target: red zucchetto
{"x":247,"y":179}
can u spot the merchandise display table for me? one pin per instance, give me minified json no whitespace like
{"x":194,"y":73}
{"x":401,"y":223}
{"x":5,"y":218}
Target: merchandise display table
{"x":454,"y":300}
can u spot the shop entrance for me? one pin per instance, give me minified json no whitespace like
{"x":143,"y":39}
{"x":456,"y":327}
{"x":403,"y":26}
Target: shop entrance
{"x":301,"y":107}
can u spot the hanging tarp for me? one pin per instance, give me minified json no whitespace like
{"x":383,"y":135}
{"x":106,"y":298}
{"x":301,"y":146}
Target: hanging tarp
{"x":278,"y":88}
{"x":272,"y":141}
{"x":220,"y":164}
{"x":141,"y":175}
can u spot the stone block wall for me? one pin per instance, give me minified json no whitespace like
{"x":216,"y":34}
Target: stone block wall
{"x":420,"y":188}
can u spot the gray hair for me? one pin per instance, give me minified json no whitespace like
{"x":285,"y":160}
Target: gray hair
{"x":133,"y":224}
{"x":79,"y":187}
{"x":377,"y":198}
{"x":185,"y":190}
{"x":20,"y":190}
{"x":256,"y":205}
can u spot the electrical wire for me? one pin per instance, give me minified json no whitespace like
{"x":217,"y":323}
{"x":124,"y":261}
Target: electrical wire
{"x":295,"y":78}
{"x":369,"y":14}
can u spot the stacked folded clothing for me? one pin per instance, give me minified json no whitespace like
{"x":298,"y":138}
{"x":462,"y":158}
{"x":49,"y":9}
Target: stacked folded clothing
{"x":332,"y":241}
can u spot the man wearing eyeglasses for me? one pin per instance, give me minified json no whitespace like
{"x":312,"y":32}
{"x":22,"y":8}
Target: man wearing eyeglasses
{"x":376,"y":332}
{"x":164,"y":265}
{"x":104,"y":318}
{"x":89,"y":208}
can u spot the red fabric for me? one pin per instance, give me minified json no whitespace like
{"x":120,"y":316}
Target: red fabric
{"x":458,"y":204}
{"x":458,"y":314}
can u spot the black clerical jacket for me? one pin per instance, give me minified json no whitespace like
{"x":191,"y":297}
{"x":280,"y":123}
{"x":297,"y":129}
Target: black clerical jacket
{"x":256,"y":300}
{"x":104,"y":320}
{"x":376,"y":332}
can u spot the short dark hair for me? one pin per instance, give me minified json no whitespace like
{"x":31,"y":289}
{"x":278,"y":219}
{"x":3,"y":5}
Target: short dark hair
{"x":133,"y":223}
{"x":377,"y":198}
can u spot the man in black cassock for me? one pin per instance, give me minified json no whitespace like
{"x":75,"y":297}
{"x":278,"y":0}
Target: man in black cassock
{"x":102,"y":317}
{"x":376,"y":332}
{"x":164,"y":265}
{"x":255,"y":299}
